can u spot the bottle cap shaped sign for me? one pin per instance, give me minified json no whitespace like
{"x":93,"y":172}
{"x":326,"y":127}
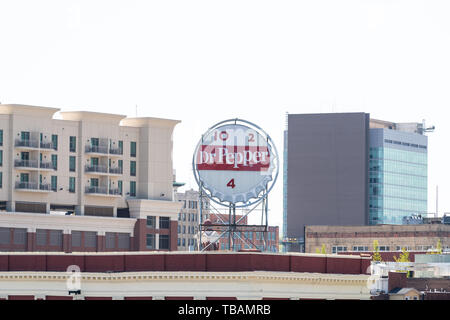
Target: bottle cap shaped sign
{"x":235,"y":162}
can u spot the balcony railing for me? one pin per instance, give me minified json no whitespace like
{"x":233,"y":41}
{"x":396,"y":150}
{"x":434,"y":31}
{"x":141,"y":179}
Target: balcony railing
{"x":116,"y":151}
{"x":96,"y":149}
{"x":117,"y":170}
{"x":26,"y":163}
{"x":95,"y":168}
{"x":100,"y":190}
{"x":47,"y":165}
{"x":33,"y":186}
{"x":46,"y":187}
{"x":115,"y":192}
{"x":26,"y":143}
{"x":47,"y":145}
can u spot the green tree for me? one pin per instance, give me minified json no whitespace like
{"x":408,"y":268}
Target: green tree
{"x":323,"y":250}
{"x":403,"y":257}
{"x":439,"y":247}
{"x":376,"y":252}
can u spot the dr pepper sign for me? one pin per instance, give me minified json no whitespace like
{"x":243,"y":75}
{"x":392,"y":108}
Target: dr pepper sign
{"x":235,"y":162}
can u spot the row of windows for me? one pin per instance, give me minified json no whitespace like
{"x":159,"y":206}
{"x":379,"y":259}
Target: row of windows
{"x":189,"y":216}
{"x":19,"y":236}
{"x":55,"y":237}
{"x":164,"y":241}
{"x":419,"y":206}
{"x":398,"y":155}
{"x":399,"y":179}
{"x":386,"y":190}
{"x":391,"y":166}
{"x":238,"y":247}
{"x":189,"y":242}
{"x":94,"y":182}
{"x":407,"y":144}
{"x":194,"y":204}
{"x":164,"y":222}
{"x":190,"y":229}
{"x":25,"y":136}
{"x":336,"y":249}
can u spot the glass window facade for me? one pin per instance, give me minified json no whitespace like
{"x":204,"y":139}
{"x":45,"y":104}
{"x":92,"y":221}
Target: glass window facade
{"x":72,"y":144}
{"x":72,"y":163}
{"x":397,"y":184}
{"x":133,"y":188}
{"x":72,"y":184}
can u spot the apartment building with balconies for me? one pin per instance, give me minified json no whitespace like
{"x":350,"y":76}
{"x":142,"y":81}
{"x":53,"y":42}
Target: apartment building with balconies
{"x":105,"y":166}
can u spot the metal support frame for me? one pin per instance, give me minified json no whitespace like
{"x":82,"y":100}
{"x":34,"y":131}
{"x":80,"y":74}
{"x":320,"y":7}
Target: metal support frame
{"x":233,"y":228}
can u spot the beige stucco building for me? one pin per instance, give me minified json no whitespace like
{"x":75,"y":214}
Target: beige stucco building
{"x":105,"y":166}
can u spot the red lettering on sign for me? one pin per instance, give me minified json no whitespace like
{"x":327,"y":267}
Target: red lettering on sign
{"x":231,"y":184}
{"x":235,"y":158}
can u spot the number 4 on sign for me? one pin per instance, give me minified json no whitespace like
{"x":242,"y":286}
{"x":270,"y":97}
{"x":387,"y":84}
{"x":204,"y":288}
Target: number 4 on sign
{"x":231,"y":184}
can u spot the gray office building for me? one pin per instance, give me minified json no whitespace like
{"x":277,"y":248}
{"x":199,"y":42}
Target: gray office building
{"x":346,"y":169}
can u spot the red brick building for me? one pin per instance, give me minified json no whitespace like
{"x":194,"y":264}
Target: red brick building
{"x":248,"y":238}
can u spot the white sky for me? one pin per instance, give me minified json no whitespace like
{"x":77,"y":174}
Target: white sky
{"x":205,"y":61}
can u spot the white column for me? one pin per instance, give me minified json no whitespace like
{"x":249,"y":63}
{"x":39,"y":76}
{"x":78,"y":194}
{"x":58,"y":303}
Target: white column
{"x":157,"y":241}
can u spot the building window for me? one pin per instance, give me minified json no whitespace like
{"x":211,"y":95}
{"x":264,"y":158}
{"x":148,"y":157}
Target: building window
{"x":1,"y":180}
{"x":94,"y":142}
{"x":133,"y":188}
{"x":163,"y":242}
{"x":360,"y":248}
{"x":119,"y":186}
{"x":90,"y":239}
{"x":25,"y":156}
{"x":72,"y":184}
{"x":336,"y":249}
{"x":150,"y":241}
{"x":72,"y":144}
{"x":24,"y":177}
{"x":151,"y":221}
{"x":55,"y":161}
{"x":120,"y":147}
{"x":184,"y":242}
{"x":5,"y":235}
{"x":94,"y":182}
{"x":110,"y":238}
{"x":133,"y":149}
{"x":1,"y":158}
{"x":76,"y":238}
{"x":1,"y":137}
{"x":123,"y":241}
{"x":20,"y":236}
{"x":56,"y":238}
{"x":25,"y":136}
{"x":72,"y":163}
{"x":133,"y":168}
{"x":41,"y":237}
{"x":55,"y":141}
{"x":54,"y":183}
{"x":184,"y":229}
{"x":179,"y":242}
{"x":384,"y":248}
